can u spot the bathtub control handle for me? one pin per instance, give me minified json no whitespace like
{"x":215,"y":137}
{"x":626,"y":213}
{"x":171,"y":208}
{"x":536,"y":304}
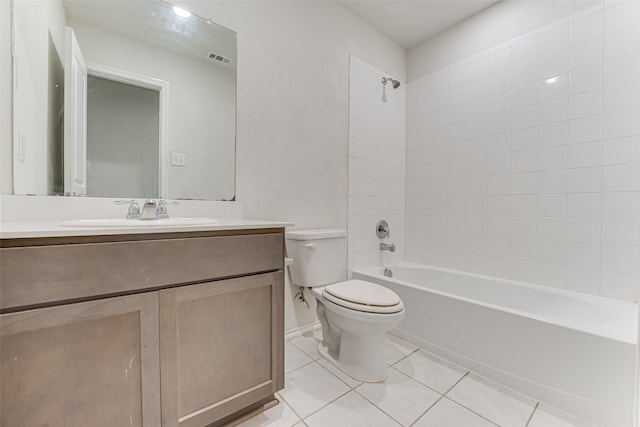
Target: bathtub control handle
{"x":382,"y":229}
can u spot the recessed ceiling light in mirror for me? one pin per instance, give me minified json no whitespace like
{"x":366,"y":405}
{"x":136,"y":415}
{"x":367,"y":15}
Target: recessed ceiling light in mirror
{"x":181,"y":12}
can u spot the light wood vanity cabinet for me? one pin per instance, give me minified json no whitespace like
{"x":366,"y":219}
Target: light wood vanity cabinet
{"x":92,"y":363}
{"x":228,"y":331}
{"x":181,"y":329}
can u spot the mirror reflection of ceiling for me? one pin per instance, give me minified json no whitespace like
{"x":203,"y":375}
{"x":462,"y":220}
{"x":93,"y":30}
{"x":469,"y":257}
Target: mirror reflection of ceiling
{"x":196,"y":38}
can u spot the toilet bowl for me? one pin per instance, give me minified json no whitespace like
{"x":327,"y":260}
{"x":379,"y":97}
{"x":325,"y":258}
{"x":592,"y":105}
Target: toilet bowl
{"x":355,"y":331}
{"x":355,"y":315}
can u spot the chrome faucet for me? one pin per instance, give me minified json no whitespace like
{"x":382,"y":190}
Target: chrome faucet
{"x":149,"y":210}
{"x":387,"y":247}
{"x":134,"y":209}
{"x":161,"y":209}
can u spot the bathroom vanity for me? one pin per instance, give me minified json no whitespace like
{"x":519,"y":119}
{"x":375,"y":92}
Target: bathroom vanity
{"x":171,"y":327}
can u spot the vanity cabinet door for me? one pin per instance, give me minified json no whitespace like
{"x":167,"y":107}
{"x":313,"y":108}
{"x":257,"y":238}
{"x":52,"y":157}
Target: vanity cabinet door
{"x":87,"y":364}
{"x":221,"y":347}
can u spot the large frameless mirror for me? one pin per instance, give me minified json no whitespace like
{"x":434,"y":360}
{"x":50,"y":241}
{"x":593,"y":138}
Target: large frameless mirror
{"x":132,"y":99}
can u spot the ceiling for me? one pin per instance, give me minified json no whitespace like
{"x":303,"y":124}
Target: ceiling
{"x":409,"y":23}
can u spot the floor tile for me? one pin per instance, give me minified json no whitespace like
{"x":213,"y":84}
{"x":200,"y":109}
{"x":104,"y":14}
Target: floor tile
{"x":308,"y":343}
{"x":351,"y":410}
{"x":280,"y":415}
{"x":294,"y":358}
{"x":351,"y":382}
{"x":397,"y":349}
{"x":401,"y":397}
{"x":549,"y":417}
{"x":430,"y":370}
{"x":311,"y":387}
{"x":446,"y":413}
{"x":500,"y":405}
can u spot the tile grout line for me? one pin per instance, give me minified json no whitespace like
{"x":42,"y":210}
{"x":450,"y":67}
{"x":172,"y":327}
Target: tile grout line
{"x":418,"y":381}
{"x":281,"y":397}
{"x":376,"y":406}
{"x":456,"y":383}
{"x":322,"y":407}
{"x":535,"y":408}
{"x":299,"y":367}
{"x":413,"y":379}
{"x":463,"y":406}
{"x":404,"y":357}
{"x":439,"y":399}
{"x":301,"y":349}
{"x":326,"y":404}
{"x":344,"y":382}
{"x":473,"y":412}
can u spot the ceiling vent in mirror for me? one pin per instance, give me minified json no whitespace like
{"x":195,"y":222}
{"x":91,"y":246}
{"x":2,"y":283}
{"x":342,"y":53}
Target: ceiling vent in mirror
{"x":218,"y":58}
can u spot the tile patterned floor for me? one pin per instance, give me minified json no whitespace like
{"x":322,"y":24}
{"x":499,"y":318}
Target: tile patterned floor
{"x":422,"y":390}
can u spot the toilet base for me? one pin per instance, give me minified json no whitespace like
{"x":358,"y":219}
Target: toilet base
{"x":363,"y":359}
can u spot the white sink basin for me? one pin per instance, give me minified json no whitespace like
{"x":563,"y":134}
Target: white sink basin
{"x":118,"y":222}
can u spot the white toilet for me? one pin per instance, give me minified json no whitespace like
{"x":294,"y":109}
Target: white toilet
{"x":355,"y":315}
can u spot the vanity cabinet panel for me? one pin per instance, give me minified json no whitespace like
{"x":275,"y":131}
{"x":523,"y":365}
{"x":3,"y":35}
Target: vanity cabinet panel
{"x":41,"y":274}
{"x":148,"y":330}
{"x":221,"y":347}
{"x":87,"y":364}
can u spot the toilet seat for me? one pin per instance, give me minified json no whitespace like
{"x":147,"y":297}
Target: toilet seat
{"x":363,"y":296}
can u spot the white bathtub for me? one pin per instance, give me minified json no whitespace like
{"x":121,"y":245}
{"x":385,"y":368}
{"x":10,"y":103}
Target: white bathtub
{"x":574,"y":351}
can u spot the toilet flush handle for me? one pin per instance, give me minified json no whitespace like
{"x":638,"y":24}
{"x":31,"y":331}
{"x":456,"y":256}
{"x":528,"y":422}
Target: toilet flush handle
{"x":310,"y":246}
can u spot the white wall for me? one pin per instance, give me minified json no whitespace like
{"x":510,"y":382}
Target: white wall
{"x":523,"y":161}
{"x":293,"y":74}
{"x":376,"y":165}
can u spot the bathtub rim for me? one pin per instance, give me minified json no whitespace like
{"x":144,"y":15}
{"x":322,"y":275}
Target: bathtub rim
{"x":624,"y":313}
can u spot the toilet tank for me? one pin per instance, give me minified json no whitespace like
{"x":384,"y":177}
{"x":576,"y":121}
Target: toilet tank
{"x":319,"y":256}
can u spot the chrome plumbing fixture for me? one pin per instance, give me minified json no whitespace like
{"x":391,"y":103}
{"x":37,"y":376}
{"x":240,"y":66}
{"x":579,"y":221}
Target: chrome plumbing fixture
{"x":394,"y":84}
{"x":388,"y":272}
{"x":151,"y":209}
{"x":134,"y":208}
{"x":161,"y":209}
{"x":301,"y":299}
{"x":154,"y":209}
{"x":382,"y":229}
{"x":387,"y":247}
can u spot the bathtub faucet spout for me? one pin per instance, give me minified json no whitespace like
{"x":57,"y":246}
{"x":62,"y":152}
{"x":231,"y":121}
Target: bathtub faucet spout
{"x":387,"y":247}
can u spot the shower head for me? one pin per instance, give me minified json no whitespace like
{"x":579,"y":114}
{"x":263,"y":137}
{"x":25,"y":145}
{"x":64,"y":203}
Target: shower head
{"x":394,"y":83}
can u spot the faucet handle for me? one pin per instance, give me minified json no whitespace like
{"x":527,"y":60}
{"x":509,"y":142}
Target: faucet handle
{"x":382,"y":229}
{"x":134,"y":209}
{"x":161,"y":209}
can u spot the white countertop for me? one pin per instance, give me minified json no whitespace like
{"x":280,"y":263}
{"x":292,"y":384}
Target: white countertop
{"x":31,"y":229}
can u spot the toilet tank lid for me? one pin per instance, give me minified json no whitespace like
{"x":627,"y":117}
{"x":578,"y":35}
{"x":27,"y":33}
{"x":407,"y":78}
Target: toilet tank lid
{"x":315,"y":234}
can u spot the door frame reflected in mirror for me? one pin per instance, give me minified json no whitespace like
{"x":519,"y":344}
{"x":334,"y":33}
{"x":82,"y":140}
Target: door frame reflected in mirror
{"x":151,"y":83}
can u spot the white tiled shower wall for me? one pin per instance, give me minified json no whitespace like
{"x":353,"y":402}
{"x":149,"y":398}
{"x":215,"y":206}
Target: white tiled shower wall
{"x":376,"y":165}
{"x":523,"y":161}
